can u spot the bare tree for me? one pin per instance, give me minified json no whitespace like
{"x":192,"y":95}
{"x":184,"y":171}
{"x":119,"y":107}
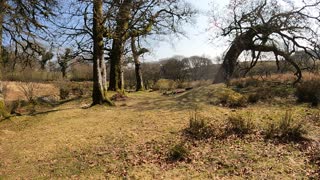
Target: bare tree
{"x":141,"y":19}
{"x":23,"y":22}
{"x":199,"y":67}
{"x":46,"y":56}
{"x":64,"y":61}
{"x":174,"y":69}
{"x":136,"y":53}
{"x":268,"y":26}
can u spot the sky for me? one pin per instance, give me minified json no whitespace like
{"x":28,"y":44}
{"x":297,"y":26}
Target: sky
{"x":198,"y":38}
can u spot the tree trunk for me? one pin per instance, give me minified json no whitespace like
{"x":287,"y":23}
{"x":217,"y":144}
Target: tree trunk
{"x":64,"y":72}
{"x":117,"y":51}
{"x":99,"y":94}
{"x":116,"y":72}
{"x":230,"y":60}
{"x":139,"y":86}
{"x":240,"y":44}
{"x":2,"y":10}
{"x":43,"y":66}
{"x":135,"y":54}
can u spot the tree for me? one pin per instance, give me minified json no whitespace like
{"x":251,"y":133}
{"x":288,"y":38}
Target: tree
{"x":136,"y":53}
{"x":99,"y":94}
{"x":198,"y":67}
{"x":151,"y":72}
{"x":45,"y":57}
{"x":268,"y":26}
{"x":23,"y":22}
{"x":65,"y":60}
{"x":82,"y":26}
{"x":141,"y":19}
{"x":174,"y":69}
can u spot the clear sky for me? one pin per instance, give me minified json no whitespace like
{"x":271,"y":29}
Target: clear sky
{"x":197,"y":41}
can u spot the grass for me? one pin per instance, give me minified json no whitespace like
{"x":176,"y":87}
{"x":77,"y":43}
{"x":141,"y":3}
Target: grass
{"x":133,"y":141}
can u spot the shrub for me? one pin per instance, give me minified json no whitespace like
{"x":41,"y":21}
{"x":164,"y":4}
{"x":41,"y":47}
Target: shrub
{"x":287,"y":129}
{"x":183,"y":85}
{"x":253,"y":97}
{"x":239,"y":126}
{"x":178,"y":153}
{"x":232,"y":99}
{"x":245,"y":82}
{"x":309,"y":91}
{"x":29,"y":90}
{"x":198,"y":128}
{"x":164,"y":85}
{"x":64,"y":93}
{"x":18,"y":107}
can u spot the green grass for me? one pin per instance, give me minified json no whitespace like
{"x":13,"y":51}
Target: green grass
{"x":133,"y":141}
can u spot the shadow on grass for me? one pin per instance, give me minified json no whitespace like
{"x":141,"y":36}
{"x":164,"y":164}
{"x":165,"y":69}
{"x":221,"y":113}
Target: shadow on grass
{"x":162,"y":103}
{"x":49,"y":111}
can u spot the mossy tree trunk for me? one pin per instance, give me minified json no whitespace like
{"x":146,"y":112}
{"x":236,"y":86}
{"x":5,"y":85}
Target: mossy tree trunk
{"x":117,"y":51}
{"x":121,"y":35}
{"x":99,"y":94}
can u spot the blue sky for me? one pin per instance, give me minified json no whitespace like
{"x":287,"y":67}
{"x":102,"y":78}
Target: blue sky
{"x":197,"y":41}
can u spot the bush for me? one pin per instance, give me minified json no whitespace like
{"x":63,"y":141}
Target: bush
{"x":178,"y":153}
{"x":239,"y":126}
{"x":232,"y":99}
{"x":18,"y":106}
{"x":29,"y":90}
{"x":64,"y":93}
{"x":286,"y":129}
{"x":254,"y":97}
{"x":165,"y":85}
{"x":198,"y":128}
{"x":245,"y":82}
{"x":183,"y":85}
{"x":309,"y":91}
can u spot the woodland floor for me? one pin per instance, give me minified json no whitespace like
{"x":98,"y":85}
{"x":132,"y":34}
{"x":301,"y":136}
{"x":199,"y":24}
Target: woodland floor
{"x":132,"y":140}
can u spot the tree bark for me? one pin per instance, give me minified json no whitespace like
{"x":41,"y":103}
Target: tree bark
{"x":116,"y":72}
{"x":135,"y":54}
{"x":240,"y":44}
{"x":2,"y":10}
{"x":117,"y":51}
{"x":64,"y":72}
{"x":99,"y":94}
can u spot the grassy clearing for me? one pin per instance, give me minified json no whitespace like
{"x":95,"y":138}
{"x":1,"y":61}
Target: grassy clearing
{"x":135,"y":139}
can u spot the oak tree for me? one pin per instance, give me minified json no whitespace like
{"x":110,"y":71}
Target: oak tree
{"x":278,"y":27}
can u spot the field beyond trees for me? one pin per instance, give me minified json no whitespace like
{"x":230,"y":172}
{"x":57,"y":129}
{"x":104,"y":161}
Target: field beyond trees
{"x":208,"y":132}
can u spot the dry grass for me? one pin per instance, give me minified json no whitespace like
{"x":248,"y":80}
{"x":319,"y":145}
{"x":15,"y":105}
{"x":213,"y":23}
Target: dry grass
{"x":14,"y":92}
{"x":132,"y":140}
